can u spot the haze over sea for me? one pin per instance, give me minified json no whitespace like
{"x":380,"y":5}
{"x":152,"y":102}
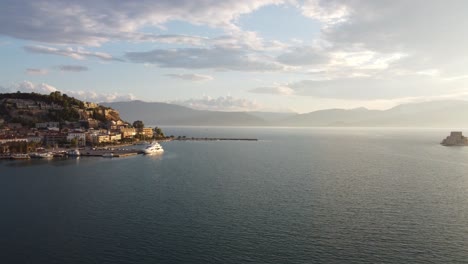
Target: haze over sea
{"x":299,"y":195}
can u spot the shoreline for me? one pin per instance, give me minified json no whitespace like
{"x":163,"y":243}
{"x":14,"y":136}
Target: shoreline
{"x":110,"y":151}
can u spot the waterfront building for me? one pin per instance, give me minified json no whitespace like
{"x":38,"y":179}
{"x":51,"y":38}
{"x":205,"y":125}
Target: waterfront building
{"x":79,"y":136}
{"x":36,"y":139}
{"x":115,"y":137}
{"x":147,"y":132}
{"x":46,"y":125}
{"x":10,"y":140}
{"x":54,"y":138}
{"x":128,"y":132}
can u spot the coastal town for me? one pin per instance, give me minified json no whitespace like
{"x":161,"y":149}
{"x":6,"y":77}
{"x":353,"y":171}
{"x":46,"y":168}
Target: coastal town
{"x":66,"y":125}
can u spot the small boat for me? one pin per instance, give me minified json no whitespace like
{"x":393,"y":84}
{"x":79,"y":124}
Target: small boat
{"x":153,"y":148}
{"x":19,"y":156}
{"x":108,"y":155}
{"x":73,"y":153}
{"x":41,"y":155}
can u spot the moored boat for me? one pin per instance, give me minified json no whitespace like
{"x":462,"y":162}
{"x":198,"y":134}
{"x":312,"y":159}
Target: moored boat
{"x":153,"y":148}
{"x":108,"y":155}
{"x":73,"y":153}
{"x":41,"y":155}
{"x":19,"y":156}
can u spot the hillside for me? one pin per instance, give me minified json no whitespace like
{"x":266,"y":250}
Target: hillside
{"x":30,"y":108}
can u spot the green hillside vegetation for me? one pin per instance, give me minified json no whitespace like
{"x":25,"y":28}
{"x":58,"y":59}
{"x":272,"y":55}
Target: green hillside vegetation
{"x":31,"y":108}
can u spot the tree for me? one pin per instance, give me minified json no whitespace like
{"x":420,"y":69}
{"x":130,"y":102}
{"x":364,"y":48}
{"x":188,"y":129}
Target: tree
{"x":138,"y":124}
{"x":158,"y":132}
{"x":74,"y":143}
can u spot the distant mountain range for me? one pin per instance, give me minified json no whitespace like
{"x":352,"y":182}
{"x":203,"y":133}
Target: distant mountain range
{"x":427,"y":114}
{"x":171,"y":114}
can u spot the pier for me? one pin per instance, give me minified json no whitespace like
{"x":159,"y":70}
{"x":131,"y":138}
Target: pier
{"x":110,"y":153}
{"x":213,"y":139}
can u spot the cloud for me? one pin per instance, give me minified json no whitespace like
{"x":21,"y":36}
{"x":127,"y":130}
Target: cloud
{"x":96,"y":97}
{"x":206,"y":58}
{"x":222,"y":103}
{"x":43,"y":88}
{"x":29,"y":87}
{"x":304,"y":55}
{"x":432,"y":33}
{"x":77,"y":53}
{"x":382,"y":50}
{"x":190,"y":77}
{"x":72,"y":68}
{"x":34,"y":71}
{"x":173,"y":39}
{"x":329,"y":12}
{"x":86,"y":23}
{"x":276,"y":90}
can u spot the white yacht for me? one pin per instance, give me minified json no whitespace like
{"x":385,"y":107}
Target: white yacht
{"x":153,"y":148}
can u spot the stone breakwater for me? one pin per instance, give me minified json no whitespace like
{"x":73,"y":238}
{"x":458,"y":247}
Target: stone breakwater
{"x":214,"y":139}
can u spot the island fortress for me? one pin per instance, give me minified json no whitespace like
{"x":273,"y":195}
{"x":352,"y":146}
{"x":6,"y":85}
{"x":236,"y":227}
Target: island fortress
{"x":456,"y":138}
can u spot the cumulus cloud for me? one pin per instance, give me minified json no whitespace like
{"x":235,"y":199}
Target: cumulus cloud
{"x":222,"y":103}
{"x":43,"y":88}
{"x":382,"y":50}
{"x":329,"y":12}
{"x":206,"y":58}
{"x":275,"y":90}
{"x":173,"y":39}
{"x":190,"y":77}
{"x":92,"y":96}
{"x":304,"y":55}
{"x":369,"y":50}
{"x":34,"y":71}
{"x":84,"y":22}
{"x":29,"y":87}
{"x":78,"y":53}
{"x":72,"y":68}
{"x":430,"y":32}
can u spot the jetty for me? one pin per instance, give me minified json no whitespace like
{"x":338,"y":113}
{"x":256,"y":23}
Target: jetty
{"x":213,"y":139}
{"x":110,"y":152}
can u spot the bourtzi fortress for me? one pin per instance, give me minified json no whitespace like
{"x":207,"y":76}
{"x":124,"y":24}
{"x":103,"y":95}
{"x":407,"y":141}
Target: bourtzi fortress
{"x":456,"y":138}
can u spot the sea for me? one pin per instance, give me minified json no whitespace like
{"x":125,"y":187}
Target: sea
{"x":298,"y":195}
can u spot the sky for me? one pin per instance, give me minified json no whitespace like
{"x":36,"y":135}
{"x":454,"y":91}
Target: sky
{"x":236,"y":55}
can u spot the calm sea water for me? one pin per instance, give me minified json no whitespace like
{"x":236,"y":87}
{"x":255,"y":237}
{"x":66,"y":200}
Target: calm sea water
{"x":296,"y":196}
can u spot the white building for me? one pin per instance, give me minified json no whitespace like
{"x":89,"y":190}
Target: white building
{"x":36,"y":139}
{"x":79,"y":136}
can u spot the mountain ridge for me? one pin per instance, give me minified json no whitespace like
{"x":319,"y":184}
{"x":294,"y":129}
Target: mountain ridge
{"x":425,"y":114}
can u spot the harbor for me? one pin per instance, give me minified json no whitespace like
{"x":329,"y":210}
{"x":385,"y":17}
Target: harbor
{"x":111,"y":151}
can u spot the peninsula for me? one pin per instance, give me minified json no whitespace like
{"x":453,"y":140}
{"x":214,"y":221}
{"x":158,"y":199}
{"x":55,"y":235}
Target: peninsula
{"x":31,"y":121}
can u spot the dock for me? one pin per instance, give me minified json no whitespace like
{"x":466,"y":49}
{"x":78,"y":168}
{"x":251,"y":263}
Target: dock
{"x":214,"y":139}
{"x":116,"y":153}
